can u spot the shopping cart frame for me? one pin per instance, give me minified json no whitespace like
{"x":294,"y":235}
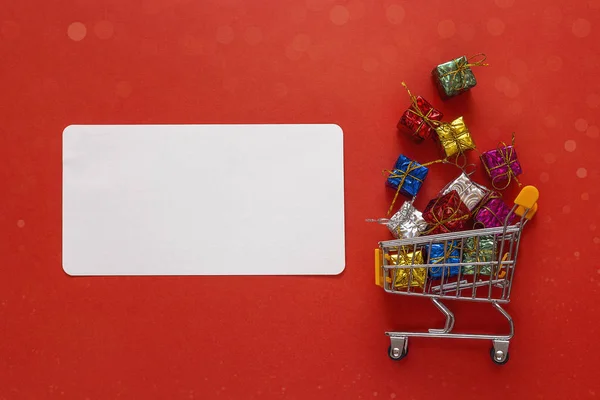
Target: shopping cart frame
{"x":499,"y":282}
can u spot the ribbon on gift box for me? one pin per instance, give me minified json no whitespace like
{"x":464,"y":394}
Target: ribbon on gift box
{"x":479,"y":249}
{"x":461,"y":67}
{"x":470,"y":192}
{"x":405,"y":257}
{"x":406,"y":223}
{"x":456,"y":134}
{"x":449,"y":248}
{"x":414,"y":108}
{"x":443,"y":222}
{"x":489,"y":196}
{"x":500,"y":219}
{"x":402,"y":175}
{"x":402,"y":276}
{"x":450,"y":254}
{"x":506,"y":153}
{"x":493,"y":214}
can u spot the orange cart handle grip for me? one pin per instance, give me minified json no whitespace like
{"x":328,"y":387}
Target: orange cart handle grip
{"x":528,"y":196}
{"x":378,"y":272}
{"x":526,"y":202}
{"x":520,"y":211}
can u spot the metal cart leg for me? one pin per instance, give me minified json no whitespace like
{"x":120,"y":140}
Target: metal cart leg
{"x":499,"y":350}
{"x":449,"y":317}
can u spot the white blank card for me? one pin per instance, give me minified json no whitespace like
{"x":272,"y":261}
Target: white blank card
{"x":203,"y":200}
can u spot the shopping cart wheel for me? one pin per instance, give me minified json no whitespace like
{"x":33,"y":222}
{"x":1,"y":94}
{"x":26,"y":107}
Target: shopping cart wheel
{"x":398,"y":349}
{"x":397,"y":355}
{"x":498,"y":356}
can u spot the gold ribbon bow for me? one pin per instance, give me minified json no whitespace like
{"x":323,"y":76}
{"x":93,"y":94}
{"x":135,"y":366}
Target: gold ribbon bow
{"x":447,"y":254}
{"x":442,"y":222}
{"x":455,"y":134}
{"x":507,"y":154}
{"x":478,"y":60}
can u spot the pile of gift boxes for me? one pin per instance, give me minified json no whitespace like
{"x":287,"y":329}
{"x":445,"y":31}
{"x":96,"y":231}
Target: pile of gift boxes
{"x":462,"y":204}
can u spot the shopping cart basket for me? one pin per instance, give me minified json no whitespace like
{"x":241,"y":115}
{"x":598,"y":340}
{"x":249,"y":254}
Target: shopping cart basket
{"x":486,"y":275}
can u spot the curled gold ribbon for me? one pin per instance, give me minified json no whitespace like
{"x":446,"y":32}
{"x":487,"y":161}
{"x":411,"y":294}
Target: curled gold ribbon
{"x":414,"y":108}
{"x":478,"y":60}
{"x":402,"y":175}
{"x":506,"y":153}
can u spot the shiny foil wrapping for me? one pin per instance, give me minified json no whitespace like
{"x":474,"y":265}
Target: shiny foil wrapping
{"x":453,"y":77}
{"x":444,"y":253}
{"x":455,"y":137}
{"x":408,"y":175}
{"x":405,"y":257}
{"x":501,"y":165}
{"x":493,"y":213}
{"x":445,"y":214}
{"x":416,"y":121}
{"x":407,"y":223}
{"x":470,"y":193}
{"x":478,"y":249}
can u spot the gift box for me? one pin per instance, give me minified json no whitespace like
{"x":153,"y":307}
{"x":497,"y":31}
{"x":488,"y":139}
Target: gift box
{"x":493,"y":213}
{"x":407,"y":176}
{"x":444,"y":253}
{"x":420,"y":119}
{"x":455,"y":137}
{"x":407,"y":223}
{"x":470,"y":193}
{"x":502,"y":165}
{"x":402,"y":278}
{"x":478,"y":249}
{"x":446,"y":213}
{"x":455,"y":76}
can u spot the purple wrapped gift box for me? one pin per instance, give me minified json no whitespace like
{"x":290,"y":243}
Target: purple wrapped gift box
{"x":493,"y":213}
{"x":501,"y":165}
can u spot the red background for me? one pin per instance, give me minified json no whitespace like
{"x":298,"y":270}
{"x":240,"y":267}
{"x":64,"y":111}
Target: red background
{"x":232,"y":61}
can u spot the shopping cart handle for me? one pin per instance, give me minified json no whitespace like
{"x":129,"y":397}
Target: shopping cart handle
{"x":521,"y":211}
{"x":527,"y":197}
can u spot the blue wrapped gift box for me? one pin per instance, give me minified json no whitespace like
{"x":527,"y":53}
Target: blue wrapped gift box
{"x":444,"y":253}
{"x":408,"y":175}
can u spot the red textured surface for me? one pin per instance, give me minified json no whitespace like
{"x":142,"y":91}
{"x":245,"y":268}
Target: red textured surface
{"x":231,"y":61}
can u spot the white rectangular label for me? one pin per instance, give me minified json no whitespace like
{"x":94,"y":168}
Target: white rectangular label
{"x":203,"y":199}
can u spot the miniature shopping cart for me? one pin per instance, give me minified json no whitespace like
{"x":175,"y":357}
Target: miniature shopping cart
{"x":407,"y":267}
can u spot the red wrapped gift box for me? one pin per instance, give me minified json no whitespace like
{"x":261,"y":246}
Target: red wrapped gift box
{"x":446,"y":214}
{"x":418,"y":119}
